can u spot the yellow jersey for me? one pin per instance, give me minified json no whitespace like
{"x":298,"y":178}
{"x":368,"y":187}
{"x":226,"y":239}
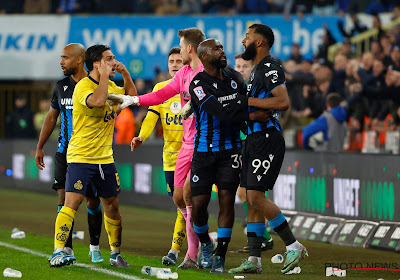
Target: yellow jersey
{"x":92,"y":128}
{"x":171,"y":120}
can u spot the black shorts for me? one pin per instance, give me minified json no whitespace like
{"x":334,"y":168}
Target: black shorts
{"x":262,"y":160}
{"x":102,"y":179}
{"x":60,"y":170}
{"x":221,"y":168}
{"x":169,"y":178}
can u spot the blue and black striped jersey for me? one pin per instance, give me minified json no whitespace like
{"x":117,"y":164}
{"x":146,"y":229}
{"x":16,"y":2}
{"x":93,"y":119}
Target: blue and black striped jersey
{"x":62,"y":102}
{"x":265,"y":77}
{"x":217,"y":124}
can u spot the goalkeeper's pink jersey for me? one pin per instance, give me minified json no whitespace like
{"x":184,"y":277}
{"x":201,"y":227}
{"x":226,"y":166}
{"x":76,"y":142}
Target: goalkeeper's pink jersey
{"x":179,"y":84}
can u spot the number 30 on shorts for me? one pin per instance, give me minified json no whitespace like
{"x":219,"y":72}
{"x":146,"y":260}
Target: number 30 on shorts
{"x":237,"y":160}
{"x":257,"y":163}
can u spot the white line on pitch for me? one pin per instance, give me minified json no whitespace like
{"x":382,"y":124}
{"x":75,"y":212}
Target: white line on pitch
{"x":91,"y":267}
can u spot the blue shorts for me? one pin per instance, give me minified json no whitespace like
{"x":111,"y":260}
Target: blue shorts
{"x":169,"y":177}
{"x":102,"y":178}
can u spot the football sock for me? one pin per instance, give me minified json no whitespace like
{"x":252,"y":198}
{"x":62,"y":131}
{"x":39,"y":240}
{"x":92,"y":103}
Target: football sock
{"x":63,"y":226}
{"x":192,"y":238}
{"x":95,"y":220}
{"x":224,"y":237}
{"x":179,"y":231}
{"x":202,"y":233}
{"x":281,"y":227}
{"x":255,"y":236}
{"x":114,"y":231}
{"x":69,"y":239}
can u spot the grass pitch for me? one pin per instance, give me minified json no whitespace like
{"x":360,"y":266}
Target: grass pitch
{"x":146,"y":238}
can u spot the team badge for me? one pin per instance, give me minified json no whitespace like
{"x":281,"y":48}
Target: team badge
{"x":195,"y":178}
{"x":175,"y":107}
{"x":199,"y":92}
{"x":78,"y":185}
{"x":233,"y":84}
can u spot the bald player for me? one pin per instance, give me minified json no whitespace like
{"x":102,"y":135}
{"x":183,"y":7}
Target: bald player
{"x":72,"y":65}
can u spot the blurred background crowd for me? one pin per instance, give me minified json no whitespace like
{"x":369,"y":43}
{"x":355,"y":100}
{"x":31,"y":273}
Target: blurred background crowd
{"x":363,"y":69}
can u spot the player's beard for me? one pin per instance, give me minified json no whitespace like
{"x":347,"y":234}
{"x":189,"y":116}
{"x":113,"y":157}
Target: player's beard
{"x":70,"y":71}
{"x":250,"y":52}
{"x":218,"y":63}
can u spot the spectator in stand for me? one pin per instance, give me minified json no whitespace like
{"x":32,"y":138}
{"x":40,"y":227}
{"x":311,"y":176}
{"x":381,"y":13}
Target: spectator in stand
{"x":357,"y":6}
{"x":386,"y":50}
{"x":281,"y":6}
{"x":73,"y":6}
{"x":218,"y":6}
{"x":142,"y":7}
{"x":39,"y":117}
{"x":395,"y":59}
{"x":339,"y":74}
{"x":165,"y":7}
{"x":324,"y":7}
{"x":296,"y":55}
{"x":190,"y":7}
{"x":358,"y":27}
{"x":347,"y":49}
{"x":327,"y":41}
{"x":37,"y":6}
{"x":19,"y":124}
{"x":257,"y":6}
{"x":377,"y":50}
{"x":377,"y":108}
{"x":240,"y":7}
{"x":11,"y":7}
{"x":332,"y":125}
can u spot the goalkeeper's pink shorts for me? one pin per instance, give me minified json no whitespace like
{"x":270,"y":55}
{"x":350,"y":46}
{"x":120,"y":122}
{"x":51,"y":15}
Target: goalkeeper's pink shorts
{"x":182,"y":168}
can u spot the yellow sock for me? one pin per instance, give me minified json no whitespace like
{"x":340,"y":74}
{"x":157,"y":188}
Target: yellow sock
{"x":63,"y":226}
{"x":114,"y":231}
{"x":179,"y":232}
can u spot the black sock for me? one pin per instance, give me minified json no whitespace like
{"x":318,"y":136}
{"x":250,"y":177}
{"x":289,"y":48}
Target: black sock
{"x":95,"y":223}
{"x":254,"y":244}
{"x":285,"y":233}
{"x":222,"y":247}
{"x":204,"y":237}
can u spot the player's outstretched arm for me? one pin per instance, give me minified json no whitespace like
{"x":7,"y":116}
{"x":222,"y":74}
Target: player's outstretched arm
{"x":47,"y":128}
{"x":279,"y":100}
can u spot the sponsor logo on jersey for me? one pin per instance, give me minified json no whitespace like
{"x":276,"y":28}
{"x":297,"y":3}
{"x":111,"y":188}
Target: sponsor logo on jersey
{"x":199,"y":92}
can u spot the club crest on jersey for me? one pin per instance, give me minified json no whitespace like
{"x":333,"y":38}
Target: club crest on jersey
{"x":195,"y":178}
{"x":199,"y":92}
{"x":233,"y":84}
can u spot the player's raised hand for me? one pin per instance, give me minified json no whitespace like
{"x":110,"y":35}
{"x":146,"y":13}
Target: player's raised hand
{"x":104,"y":68}
{"x":39,"y":159}
{"x":136,"y":142}
{"x":120,"y":67}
